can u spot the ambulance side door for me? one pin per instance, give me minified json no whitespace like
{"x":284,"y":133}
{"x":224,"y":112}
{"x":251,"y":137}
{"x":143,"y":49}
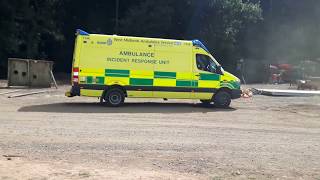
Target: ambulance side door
{"x":206,"y":78}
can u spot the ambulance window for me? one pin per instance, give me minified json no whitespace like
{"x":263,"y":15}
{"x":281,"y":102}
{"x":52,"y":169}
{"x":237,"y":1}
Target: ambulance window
{"x":205,"y":63}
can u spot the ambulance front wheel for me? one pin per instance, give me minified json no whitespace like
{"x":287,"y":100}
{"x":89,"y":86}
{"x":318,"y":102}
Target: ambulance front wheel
{"x":113,"y":97}
{"x":222,"y":99}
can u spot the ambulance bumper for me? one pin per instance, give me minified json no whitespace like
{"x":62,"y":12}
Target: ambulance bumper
{"x":236,"y":93}
{"x":75,"y":91}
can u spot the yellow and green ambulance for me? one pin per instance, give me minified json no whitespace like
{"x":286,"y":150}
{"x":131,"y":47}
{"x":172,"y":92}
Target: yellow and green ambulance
{"x":117,"y":67}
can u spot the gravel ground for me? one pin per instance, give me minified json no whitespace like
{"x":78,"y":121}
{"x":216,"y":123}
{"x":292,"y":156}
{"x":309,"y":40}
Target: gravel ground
{"x":49,"y":136}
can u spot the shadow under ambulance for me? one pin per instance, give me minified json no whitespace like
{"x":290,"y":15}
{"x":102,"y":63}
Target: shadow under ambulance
{"x":130,"y":107}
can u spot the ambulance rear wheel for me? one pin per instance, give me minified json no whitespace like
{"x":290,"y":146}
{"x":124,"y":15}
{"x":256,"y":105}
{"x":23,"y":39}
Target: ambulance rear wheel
{"x":113,"y":97}
{"x":222,"y":99}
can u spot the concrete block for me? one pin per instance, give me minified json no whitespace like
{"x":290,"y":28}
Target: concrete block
{"x":28,"y":72}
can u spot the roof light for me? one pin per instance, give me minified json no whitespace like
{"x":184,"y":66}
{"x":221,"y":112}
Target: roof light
{"x":198,"y":43}
{"x":82,"y":32}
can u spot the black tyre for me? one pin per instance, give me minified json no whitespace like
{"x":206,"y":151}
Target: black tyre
{"x":113,"y":97}
{"x":222,"y":99}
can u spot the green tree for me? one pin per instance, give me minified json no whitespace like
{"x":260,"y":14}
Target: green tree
{"x":217,"y":22}
{"x":231,"y":29}
{"x":8,"y":32}
{"x":150,"y":18}
{"x":292,"y":29}
{"x":25,"y":26}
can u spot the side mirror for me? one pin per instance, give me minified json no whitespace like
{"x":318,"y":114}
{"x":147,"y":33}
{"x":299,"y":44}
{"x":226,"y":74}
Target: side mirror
{"x":219,"y":70}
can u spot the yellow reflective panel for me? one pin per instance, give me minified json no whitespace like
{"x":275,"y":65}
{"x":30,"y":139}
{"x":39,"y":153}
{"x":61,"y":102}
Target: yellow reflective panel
{"x":123,"y":81}
{"x":208,"y":84}
{"x":92,"y":72}
{"x":203,"y":96}
{"x":141,"y":74}
{"x":172,"y":95}
{"x":164,"y":82}
{"x":91,"y":93}
{"x":184,"y":75}
{"x":140,"y":94}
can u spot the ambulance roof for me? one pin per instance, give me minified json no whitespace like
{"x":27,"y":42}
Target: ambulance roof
{"x":195,"y":42}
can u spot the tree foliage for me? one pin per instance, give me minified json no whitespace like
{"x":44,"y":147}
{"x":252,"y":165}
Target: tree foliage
{"x":26,"y":27}
{"x":216,"y":22}
{"x":232,"y":29}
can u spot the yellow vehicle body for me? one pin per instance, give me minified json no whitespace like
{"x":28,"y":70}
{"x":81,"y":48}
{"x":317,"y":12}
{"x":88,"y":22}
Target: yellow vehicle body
{"x":145,"y":68}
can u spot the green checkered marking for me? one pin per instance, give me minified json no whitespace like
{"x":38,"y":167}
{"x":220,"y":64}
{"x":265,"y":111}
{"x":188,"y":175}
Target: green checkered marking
{"x":89,"y":79}
{"x":94,"y":80}
{"x":236,"y":85}
{"x":100,"y":80}
{"x":117,"y":73}
{"x":230,"y":84}
{"x":157,"y":74}
{"x":186,"y":83}
{"x":166,"y":75}
{"x":209,"y":77}
{"x":141,"y":82}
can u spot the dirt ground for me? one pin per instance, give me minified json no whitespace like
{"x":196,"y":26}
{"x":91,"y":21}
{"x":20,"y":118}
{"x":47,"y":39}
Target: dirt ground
{"x":49,"y":136}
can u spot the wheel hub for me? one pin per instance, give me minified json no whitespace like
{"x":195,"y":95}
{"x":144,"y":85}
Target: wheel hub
{"x":115,"y":98}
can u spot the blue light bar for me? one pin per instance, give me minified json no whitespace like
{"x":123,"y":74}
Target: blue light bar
{"x":198,"y":43}
{"x":82,"y":32}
